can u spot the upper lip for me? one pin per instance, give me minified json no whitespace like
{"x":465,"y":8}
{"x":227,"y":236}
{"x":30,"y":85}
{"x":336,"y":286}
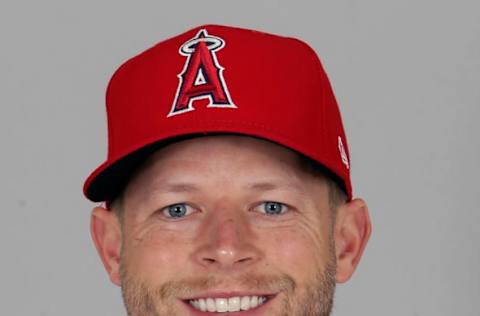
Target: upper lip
{"x":227,"y":294}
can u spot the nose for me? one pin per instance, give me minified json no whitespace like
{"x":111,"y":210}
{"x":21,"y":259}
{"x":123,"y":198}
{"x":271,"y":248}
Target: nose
{"x":227,"y":242}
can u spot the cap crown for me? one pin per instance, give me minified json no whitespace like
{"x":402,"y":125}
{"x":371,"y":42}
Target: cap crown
{"x":219,"y":79}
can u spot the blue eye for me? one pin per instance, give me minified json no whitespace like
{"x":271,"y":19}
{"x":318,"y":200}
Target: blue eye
{"x":274,"y":208}
{"x":176,"y":210}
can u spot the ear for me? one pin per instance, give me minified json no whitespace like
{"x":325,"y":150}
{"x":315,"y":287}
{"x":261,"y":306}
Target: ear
{"x":352,"y":231}
{"x":107,"y":236}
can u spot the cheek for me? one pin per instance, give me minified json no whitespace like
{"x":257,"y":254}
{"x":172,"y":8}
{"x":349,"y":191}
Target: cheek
{"x":298,"y":251}
{"x":156,"y":255}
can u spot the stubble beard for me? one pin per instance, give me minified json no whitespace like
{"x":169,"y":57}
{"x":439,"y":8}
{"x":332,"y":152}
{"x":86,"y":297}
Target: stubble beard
{"x":315,"y":299}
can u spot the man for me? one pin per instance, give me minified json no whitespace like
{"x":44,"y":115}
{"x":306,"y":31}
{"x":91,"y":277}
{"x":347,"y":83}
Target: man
{"x":227,"y":183}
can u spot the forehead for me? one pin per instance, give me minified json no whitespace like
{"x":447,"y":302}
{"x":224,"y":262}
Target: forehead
{"x":193,"y":155}
{"x":221,"y":160}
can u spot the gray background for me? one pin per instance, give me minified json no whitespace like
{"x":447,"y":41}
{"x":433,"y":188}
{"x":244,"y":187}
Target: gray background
{"x":406,"y":74}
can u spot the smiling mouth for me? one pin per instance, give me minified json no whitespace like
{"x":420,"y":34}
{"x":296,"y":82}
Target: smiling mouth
{"x":228,"y":304}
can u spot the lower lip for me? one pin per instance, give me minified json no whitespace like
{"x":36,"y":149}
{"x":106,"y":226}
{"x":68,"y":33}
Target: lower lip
{"x":257,"y":311}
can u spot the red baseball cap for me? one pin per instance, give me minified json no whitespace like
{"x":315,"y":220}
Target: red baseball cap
{"x":220,"y":80}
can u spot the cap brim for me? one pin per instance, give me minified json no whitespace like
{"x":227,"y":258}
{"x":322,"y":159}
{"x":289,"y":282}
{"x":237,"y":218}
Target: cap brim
{"x":109,"y":179}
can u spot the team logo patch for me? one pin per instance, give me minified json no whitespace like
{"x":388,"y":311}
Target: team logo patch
{"x":202,"y":75}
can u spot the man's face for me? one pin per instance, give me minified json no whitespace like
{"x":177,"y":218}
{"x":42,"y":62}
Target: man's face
{"x":226,"y":223}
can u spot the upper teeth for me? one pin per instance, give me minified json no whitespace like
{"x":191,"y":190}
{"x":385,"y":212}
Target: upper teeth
{"x":232,"y":304}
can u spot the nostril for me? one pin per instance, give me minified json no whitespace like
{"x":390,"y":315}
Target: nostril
{"x":209,"y":260}
{"x":244,"y":259}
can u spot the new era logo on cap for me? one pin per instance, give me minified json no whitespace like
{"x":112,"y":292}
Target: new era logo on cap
{"x":214,"y":80}
{"x":343,"y":153}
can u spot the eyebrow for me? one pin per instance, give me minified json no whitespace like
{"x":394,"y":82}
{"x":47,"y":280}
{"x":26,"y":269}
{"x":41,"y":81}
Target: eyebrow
{"x":271,"y":186}
{"x":180,"y":187}
{"x":184,"y":187}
